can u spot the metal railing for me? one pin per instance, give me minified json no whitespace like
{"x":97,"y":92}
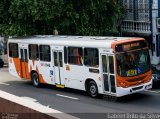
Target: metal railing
{"x":136,"y":26}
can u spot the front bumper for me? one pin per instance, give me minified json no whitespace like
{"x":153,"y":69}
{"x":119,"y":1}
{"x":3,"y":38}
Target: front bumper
{"x":126,"y":91}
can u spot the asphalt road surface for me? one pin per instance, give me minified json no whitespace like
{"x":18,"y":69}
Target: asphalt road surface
{"x":78,"y":103}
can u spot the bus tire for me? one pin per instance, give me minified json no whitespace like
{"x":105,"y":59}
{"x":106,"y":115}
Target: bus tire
{"x":92,"y":89}
{"x":35,"y":80}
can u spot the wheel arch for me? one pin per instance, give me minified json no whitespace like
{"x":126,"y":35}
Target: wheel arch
{"x":33,"y":71}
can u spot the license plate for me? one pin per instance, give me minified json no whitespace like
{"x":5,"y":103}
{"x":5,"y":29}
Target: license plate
{"x":131,"y":72}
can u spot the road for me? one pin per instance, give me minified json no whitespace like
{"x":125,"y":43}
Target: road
{"x":78,"y":103}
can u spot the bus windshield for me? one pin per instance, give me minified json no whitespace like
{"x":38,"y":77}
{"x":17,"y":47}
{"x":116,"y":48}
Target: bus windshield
{"x":133,"y":63}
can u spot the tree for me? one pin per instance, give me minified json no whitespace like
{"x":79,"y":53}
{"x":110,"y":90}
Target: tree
{"x":70,"y":17}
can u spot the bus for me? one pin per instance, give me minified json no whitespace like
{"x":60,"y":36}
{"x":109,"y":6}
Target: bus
{"x":112,"y":66}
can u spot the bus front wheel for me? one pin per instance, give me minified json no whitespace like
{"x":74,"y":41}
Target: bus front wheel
{"x":35,"y":80}
{"x":92,"y":89}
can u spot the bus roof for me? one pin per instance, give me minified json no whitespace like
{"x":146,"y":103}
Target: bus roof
{"x":81,"y":41}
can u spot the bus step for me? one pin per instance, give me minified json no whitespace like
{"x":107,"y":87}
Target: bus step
{"x":59,"y":86}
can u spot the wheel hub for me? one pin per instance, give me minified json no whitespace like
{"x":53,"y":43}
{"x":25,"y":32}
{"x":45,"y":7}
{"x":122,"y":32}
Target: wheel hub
{"x":93,"y":89}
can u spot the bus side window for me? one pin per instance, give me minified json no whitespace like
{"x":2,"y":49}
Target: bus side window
{"x":45,"y":53}
{"x":75,"y":55}
{"x":91,"y":57}
{"x":13,"y":50}
{"x":33,"y":52}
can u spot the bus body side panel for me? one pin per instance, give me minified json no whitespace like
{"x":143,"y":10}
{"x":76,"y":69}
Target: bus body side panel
{"x":76,"y":76}
{"x":46,"y":72}
{"x":43,"y":69}
{"x":14,"y":62}
{"x":15,"y":67}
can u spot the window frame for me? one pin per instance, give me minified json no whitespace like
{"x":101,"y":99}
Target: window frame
{"x":40,"y":53}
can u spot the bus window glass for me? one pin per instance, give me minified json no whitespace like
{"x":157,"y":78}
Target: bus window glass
{"x":111,"y":64}
{"x":55,"y":59}
{"x":45,"y":54}
{"x":75,"y":55}
{"x":25,"y":55}
{"x":13,"y":50}
{"x":104,"y":63}
{"x":60,"y":59}
{"x":22,"y":55}
{"x":65,"y":54}
{"x":33,"y":52}
{"x":133,"y":63}
{"x":91,"y":57}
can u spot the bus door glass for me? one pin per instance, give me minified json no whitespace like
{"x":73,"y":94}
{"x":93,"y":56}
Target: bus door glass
{"x":24,"y":63}
{"x":108,"y":73}
{"x":58,"y":67}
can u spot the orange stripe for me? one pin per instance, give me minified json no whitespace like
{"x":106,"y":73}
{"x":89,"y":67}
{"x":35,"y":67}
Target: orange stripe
{"x":40,"y":76}
{"x":17,"y":64}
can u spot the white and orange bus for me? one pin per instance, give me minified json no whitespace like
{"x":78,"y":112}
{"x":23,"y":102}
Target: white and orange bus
{"x":115,"y":66}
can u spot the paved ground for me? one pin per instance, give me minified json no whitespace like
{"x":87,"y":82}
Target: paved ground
{"x":78,"y":103}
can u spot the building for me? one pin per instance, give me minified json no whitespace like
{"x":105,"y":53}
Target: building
{"x":3,"y":45}
{"x":142,"y":19}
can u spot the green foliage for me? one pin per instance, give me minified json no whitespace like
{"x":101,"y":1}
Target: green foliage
{"x":70,"y":17}
{"x":4,"y":14}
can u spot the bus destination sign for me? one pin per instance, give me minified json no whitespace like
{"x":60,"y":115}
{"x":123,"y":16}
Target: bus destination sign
{"x":130,"y":46}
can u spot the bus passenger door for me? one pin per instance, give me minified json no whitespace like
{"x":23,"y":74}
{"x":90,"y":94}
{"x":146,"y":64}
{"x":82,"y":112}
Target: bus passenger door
{"x":58,"y":68}
{"x":24,"y":63}
{"x":108,"y":73}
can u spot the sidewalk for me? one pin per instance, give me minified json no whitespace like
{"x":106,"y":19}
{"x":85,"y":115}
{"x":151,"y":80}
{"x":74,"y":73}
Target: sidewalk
{"x":11,"y":110}
{"x":14,"y":107}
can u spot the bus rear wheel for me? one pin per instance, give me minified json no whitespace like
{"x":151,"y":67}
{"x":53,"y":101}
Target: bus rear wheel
{"x":92,"y":89}
{"x":35,"y":80}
